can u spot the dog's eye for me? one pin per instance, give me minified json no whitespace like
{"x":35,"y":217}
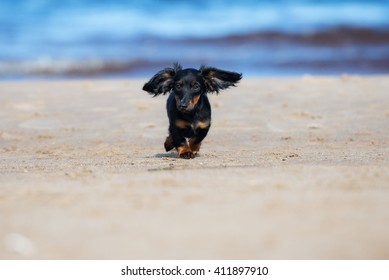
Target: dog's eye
{"x":196,"y":87}
{"x":178,"y":86}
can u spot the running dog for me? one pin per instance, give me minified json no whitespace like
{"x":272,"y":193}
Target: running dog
{"x":188,"y":107}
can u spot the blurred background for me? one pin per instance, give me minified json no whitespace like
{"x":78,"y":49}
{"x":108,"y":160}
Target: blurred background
{"x":129,"y":38}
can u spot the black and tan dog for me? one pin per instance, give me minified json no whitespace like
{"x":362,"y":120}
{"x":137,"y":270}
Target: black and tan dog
{"x":188,"y":107}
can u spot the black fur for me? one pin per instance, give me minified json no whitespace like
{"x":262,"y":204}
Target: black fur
{"x":188,"y":107}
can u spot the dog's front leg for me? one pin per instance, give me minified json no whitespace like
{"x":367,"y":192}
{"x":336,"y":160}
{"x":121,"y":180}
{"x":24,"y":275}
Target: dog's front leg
{"x":176,"y":140}
{"x":185,"y":151}
{"x":201,"y":132}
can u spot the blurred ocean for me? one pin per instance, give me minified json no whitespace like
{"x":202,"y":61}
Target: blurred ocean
{"x":118,"y":38}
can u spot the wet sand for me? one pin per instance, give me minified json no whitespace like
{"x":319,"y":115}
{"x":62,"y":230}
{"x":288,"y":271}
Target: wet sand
{"x":293,"y":168}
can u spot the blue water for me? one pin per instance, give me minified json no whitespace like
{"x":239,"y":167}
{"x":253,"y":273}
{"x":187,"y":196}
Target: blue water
{"x":43,"y":38}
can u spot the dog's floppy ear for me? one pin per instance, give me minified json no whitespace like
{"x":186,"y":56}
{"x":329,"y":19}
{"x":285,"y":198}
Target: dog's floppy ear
{"x":163,"y":81}
{"x":216,"y":79}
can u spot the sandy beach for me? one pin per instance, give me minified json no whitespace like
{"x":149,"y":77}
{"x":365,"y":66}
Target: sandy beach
{"x":293,"y":168}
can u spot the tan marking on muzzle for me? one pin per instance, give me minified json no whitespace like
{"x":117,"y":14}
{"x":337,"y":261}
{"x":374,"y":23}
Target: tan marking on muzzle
{"x":195,"y":99}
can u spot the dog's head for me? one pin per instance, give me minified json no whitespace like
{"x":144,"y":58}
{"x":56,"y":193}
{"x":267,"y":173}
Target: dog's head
{"x":189,"y":84}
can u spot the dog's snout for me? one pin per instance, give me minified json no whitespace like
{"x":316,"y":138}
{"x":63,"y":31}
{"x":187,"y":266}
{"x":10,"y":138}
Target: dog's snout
{"x":182,"y":106}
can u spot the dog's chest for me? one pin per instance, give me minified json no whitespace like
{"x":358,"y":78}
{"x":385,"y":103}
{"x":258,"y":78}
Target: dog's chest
{"x":193,"y":126}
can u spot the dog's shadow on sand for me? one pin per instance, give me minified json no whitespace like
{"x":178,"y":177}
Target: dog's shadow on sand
{"x":171,"y":155}
{"x":165,"y":155}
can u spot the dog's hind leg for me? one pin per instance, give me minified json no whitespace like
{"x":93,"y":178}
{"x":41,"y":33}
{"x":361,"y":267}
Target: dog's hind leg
{"x":168,"y":144}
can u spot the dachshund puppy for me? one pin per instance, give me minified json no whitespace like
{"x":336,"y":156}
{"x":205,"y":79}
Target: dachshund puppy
{"x":188,"y":107}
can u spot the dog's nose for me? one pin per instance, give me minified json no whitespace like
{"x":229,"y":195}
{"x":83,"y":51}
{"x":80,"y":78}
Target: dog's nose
{"x":183,"y":106}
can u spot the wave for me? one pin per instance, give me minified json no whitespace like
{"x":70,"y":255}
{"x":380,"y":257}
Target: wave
{"x":335,"y":50}
{"x":334,"y":36}
{"x":73,"y":68}
{"x":134,"y":38}
{"x":75,"y":21}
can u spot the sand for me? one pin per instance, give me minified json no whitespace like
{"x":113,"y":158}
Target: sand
{"x":293,"y":168}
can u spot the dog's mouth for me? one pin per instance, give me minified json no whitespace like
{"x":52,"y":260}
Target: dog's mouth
{"x":185,"y":108}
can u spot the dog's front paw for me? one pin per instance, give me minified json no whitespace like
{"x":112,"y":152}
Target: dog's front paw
{"x":185,"y":152}
{"x":187,"y":155}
